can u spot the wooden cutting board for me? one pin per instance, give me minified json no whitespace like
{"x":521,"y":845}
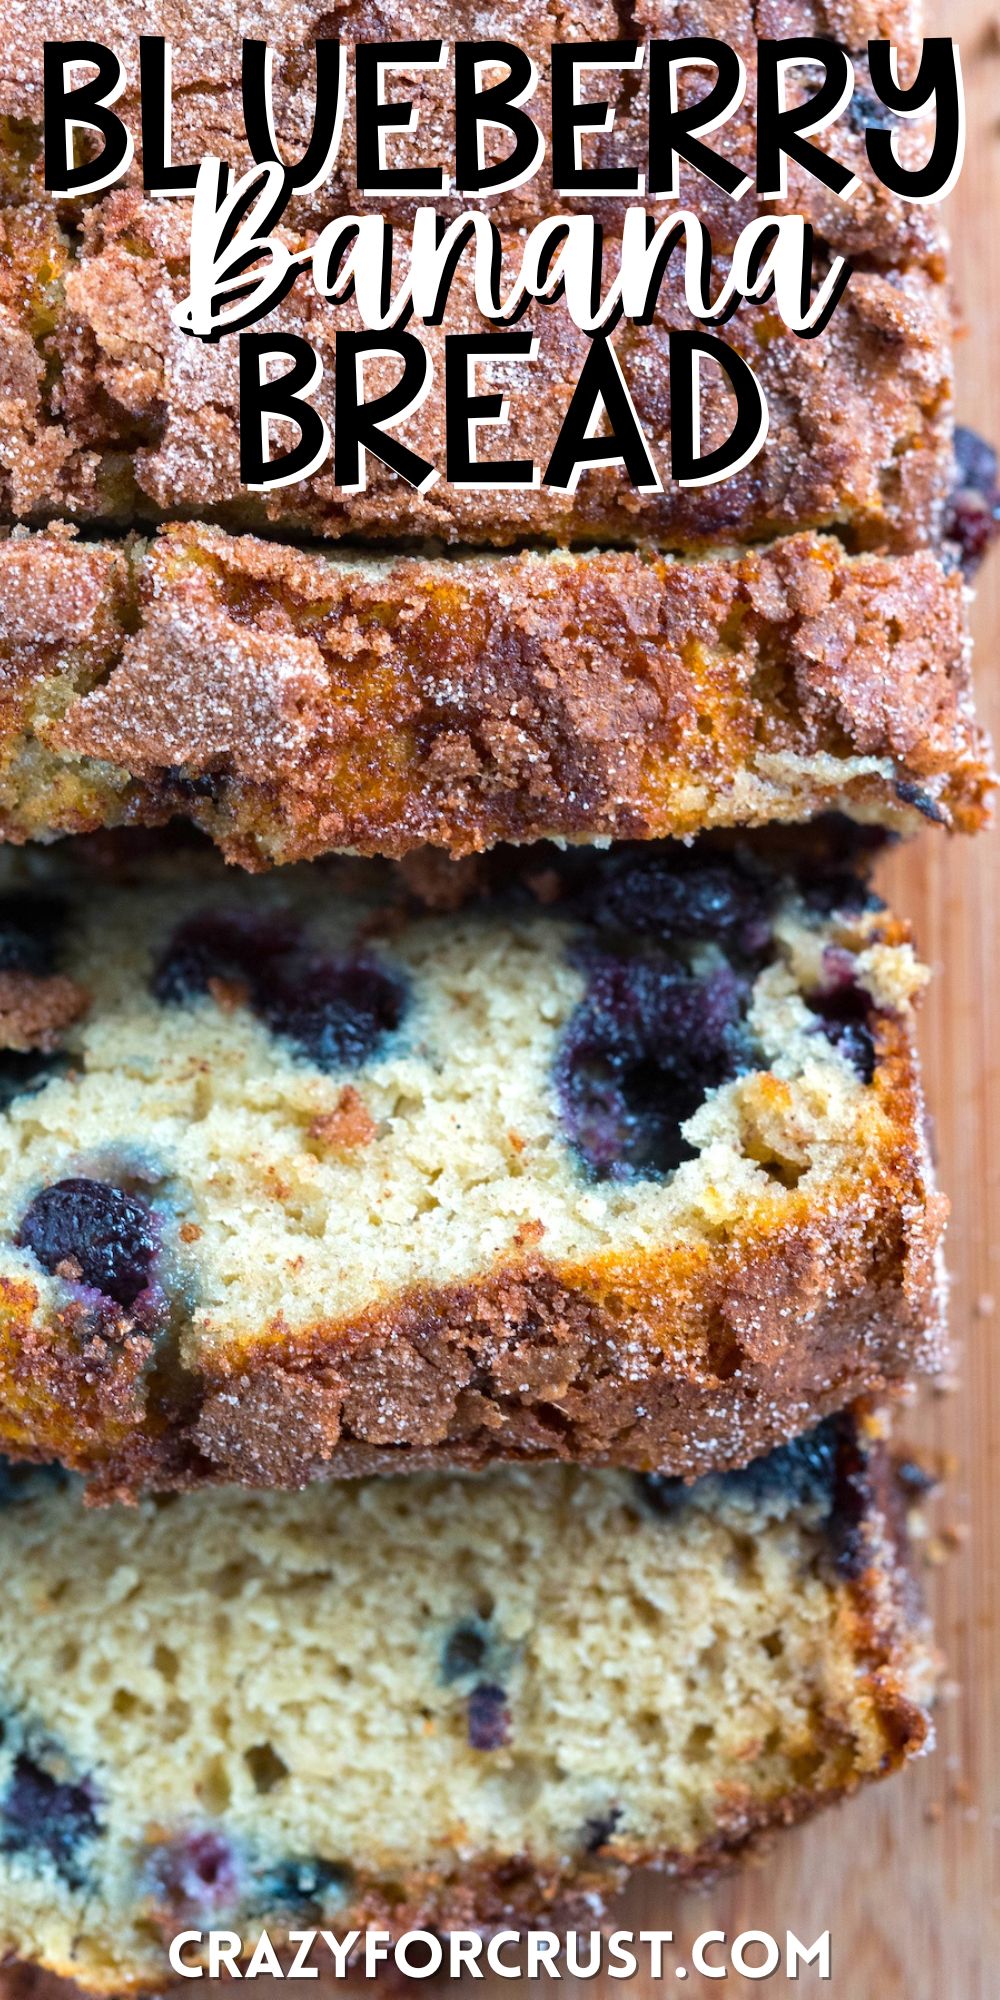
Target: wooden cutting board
{"x":906,"y":1878}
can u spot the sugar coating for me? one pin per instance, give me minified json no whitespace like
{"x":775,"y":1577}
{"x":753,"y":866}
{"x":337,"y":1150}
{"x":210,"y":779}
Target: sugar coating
{"x":114,"y":414}
{"x":205,"y":41}
{"x":292,"y":702}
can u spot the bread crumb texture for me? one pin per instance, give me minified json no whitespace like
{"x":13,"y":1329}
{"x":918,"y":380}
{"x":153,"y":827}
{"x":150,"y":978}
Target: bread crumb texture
{"x":635,"y":1173}
{"x":291,"y":702}
{"x":433,"y":1700}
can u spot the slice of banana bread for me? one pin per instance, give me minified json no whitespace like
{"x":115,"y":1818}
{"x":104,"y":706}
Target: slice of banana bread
{"x":207,"y":109}
{"x":437,"y":1701}
{"x":292,"y":702}
{"x":112,"y":413}
{"x":623,"y":1163}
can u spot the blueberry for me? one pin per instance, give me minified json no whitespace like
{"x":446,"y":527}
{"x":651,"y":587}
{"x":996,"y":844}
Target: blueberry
{"x":464,"y":1651}
{"x":975,"y":460}
{"x":831,"y":893}
{"x":29,"y":932}
{"x":673,"y":899}
{"x":337,"y":1012}
{"x":846,"y":1520}
{"x":646,"y":1043}
{"x":225,"y":944}
{"x":832,"y":871}
{"x":973,"y":517}
{"x":489,"y":1717}
{"x":39,"y":1814}
{"x":188,"y":786}
{"x":804,"y":1469}
{"x":110,"y":1236}
{"x":23,"y":1071}
{"x":855,"y":1041}
{"x":598,"y":1831}
{"x":22,"y":1482}
{"x":197,"y":1874}
{"x":916,"y":1480}
{"x":866,"y":112}
{"x":838,"y":850}
{"x":305,"y":1885}
{"x":828,"y":1469}
{"x":844,"y":1010}
{"x":910,"y":794}
{"x":661,"y":1492}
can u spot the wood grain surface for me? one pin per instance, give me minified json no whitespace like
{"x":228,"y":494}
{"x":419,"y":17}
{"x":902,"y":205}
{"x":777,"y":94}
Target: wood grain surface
{"x":906,"y":1878}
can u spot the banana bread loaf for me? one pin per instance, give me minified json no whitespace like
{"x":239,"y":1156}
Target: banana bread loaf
{"x":623,"y":1161}
{"x":438,"y":1701}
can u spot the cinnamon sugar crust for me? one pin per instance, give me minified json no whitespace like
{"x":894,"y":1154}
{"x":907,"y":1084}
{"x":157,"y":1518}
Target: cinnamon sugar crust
{"x":112,"y":413}
{"x":290,"y":703}
{"x":207,"y":113}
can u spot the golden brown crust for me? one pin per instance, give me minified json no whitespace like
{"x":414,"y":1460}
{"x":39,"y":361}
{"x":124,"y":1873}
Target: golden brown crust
{"x":701,"y":1355}
{"x":207,"y":109}
{"x":291,"y":704}
{"x":112,"y":413}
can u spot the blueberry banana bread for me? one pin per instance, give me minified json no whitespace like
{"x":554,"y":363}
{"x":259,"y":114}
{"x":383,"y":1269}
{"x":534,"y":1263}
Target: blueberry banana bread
{"x":874,"y":224}
{"x":291,"y":702}
{"x":437,"y":1701}
{"x":112,"y":413}
{"x":622,"y":1161}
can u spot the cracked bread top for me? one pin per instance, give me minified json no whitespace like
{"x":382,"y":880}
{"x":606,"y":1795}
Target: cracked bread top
{"x":112,"y":413}
{"x":622,"y":1162}
{"x":207,"y":115}
{"x":290,"y":702}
